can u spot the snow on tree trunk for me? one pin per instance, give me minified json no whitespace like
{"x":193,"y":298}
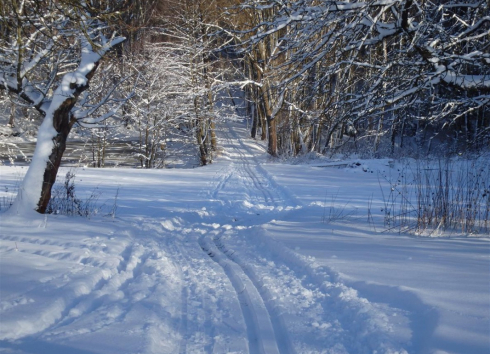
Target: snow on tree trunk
{"x":35,"y":191}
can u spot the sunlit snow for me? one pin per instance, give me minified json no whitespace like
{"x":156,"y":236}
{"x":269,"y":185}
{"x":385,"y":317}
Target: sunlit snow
{"x":246,"y":255}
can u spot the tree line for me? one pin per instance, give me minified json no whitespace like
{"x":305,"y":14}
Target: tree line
{"x":315,"y":76}
{"x":330,"y":73}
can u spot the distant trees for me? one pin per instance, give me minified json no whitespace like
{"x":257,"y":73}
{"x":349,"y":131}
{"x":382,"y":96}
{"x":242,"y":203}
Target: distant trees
{"x":162,"y":102}
{"x":328,"y":70}
{"x":188,"y":34}
{"x":178,"y":70}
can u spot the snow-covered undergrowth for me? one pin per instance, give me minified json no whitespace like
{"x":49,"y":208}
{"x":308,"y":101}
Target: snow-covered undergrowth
{"x":438,"y":196}
{"x":242,"y":256}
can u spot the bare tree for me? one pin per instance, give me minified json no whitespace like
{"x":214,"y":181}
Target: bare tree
{"x":49,"y":53}
{"x":163,"y":99}
{"x":346,"y":68}
{"x":194,"y":29}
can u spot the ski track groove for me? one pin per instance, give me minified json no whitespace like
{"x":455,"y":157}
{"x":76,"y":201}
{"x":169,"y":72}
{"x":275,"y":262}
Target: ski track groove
{"x":254,"y":177}
{"x":265,"y":325}
{"x":279,"y":327}
{"x":67,"y":319}
{"x":184,"y":320}
{"x":88,"y":302}
{"x":184,"y":329}
{"x":125,"y":256}
{"x":192,"y":292}
{"x":222,"y":184}
{"x":349,"y":313}
{"x":281,"y":194}
{"x":323,"y":279}
{"x":261,"y":335}
{"x":242,"y":277}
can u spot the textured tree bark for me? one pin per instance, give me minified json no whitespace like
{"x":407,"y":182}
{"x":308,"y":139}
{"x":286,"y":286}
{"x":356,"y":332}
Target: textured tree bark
{"x":271,"y":122}
{"x":272,"y":131}
{"x":254,"y":115}
{"x":203,"y":153}
{"x":62,"y":123}
{"x":200,"y":134}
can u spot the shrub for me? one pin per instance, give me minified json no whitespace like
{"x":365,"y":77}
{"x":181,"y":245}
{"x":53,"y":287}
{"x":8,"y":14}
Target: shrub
{"x":65,"y":202}
{"x":440,"y":195}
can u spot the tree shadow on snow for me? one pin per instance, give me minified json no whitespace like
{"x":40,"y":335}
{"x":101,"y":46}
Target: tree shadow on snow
{"x":37,"y":346}
{"x":423,"y":318}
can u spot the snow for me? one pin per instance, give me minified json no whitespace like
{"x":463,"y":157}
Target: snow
{"x":30,"y":190}
{"x":246,"y":255}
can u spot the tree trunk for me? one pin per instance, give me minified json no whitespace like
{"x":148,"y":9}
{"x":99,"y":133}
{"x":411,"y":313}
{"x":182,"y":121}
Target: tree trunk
{"x":35,"y":192}
{"x":272,"y":141}
{"x":13,"y":112}
{"x":203,"y":154}
{"x":253,"y":113}
{"x":200,"y":133}
{"x":62,"y":124}
{"x":263,"y":125}
{"x":271,"y":122}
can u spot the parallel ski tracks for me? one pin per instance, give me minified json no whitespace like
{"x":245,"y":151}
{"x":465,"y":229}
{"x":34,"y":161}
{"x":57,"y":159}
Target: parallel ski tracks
{"x":266,"y":331}
{"x":223,"y":182}
{"x":130,"y":267}
{"x":261,"y":334}
{"x":258,"y":182}
{"x":237,"y":271}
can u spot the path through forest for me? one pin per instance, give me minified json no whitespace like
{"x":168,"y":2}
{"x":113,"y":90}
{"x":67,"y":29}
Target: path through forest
{"x":187,"y":266}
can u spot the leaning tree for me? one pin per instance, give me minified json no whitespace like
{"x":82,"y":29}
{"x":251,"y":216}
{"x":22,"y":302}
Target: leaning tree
{"x":49,"y":52}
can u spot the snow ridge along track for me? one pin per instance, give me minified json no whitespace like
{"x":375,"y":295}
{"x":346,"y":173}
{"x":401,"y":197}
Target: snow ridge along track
{"x":274,"y":313}
{"x":261,"y":336}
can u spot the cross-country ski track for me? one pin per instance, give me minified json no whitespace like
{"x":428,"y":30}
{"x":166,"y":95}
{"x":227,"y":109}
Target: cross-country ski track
{"x":190,"y":264}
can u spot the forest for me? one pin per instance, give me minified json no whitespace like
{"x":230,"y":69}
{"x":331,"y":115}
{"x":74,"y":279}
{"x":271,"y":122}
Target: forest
{"x":372,"y":78}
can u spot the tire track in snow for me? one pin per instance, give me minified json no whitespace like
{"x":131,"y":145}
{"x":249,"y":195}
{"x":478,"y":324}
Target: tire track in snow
{"x":261,"y":334}
{"x":277,"y":321}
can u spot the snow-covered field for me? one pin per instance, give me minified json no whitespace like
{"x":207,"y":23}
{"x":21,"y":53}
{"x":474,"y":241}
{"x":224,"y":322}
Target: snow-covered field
{"x":242,"y":256}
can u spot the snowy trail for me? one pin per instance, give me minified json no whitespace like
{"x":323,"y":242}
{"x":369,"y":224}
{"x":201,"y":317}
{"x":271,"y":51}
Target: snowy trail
{"x":261,"y":335}
{"x":198,"y":315}
{"x":257,"y":182}
{"x":273,"y":314}
{"x":254,"y":270}
{"x":200,"y":276}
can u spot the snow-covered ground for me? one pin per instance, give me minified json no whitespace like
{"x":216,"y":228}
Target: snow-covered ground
{"x":242,"y":256}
